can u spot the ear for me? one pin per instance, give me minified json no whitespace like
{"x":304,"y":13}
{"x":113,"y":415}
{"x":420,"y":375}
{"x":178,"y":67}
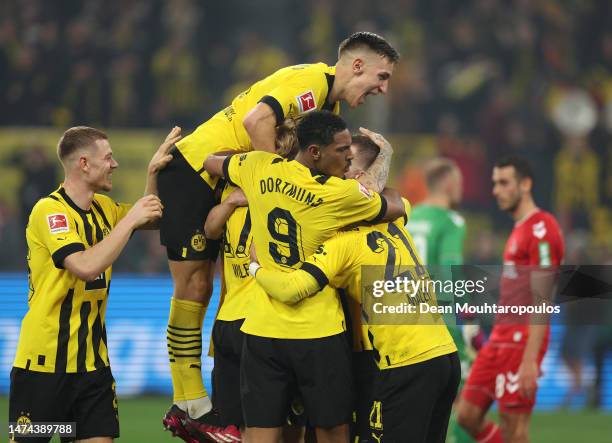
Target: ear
{"x":357,"y":66}
{"x":83,"y":163}
{"x":314,"y":151}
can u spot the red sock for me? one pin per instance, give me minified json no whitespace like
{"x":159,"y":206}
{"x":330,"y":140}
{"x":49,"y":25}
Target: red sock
{"x":490,"y":434}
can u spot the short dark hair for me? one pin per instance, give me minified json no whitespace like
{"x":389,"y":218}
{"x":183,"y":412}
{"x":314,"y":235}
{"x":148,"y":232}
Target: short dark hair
{"x":520,"y":165}
{"x":367,"y":149}
{"x":372,"y":41}
{"x":76,"y":138}
{"x":318,"y":128}
{"x":437,"y":170}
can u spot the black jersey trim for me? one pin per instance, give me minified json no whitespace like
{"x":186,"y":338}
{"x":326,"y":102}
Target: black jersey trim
{"x":382,"y":212}
{"x":63,"y":335}
{"x":319,"y":276}
{"x":226,"y":170}
{"x":327,"y":106}
{"x":276,"y":107}
{"x":63,"y":252}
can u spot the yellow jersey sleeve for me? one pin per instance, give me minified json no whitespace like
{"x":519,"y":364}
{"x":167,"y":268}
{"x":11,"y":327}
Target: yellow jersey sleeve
{"x":359,"y":204}
{"x":55,"y":229}
{"x":238,"y":168}
{"x":331,"y":262}
{"x":300,"y":93}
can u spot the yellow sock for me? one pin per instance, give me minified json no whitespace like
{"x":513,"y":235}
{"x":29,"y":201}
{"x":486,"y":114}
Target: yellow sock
{"x":184,"y":338}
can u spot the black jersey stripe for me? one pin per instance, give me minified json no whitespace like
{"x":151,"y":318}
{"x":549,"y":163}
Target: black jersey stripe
{"x":102,"y":214}
{"x":63,"y":335}
{"x":96,"y":337}
{"x":82,"y":336}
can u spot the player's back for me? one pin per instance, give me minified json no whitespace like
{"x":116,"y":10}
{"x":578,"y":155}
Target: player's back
{"x":290,"y":92}
{"x":294,"y":210}
{"x":438,"y":234}
{"x":382,"y":253}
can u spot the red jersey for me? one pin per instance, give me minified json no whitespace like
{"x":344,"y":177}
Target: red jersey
{"x":535,"y":243}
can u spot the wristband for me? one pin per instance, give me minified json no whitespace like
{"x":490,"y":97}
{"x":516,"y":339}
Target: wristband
{"x":253,"y":267}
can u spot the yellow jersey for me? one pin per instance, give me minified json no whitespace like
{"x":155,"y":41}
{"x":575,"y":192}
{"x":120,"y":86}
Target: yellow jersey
{"x":238,"y":283}
{"x":341,"y":261}
{"x":64,"y":330}
{"x":290,"y":92}
{"x":293,"y":210}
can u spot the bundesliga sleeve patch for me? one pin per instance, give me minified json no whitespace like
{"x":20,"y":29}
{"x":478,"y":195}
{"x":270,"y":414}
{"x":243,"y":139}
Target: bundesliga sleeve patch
{"x":306,"y":102}
{"x":58,"y":223}
{"x":364,"y":191}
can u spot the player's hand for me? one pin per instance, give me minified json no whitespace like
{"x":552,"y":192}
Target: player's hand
{"x":253,"y":253}
{"x":147,"y":209}
{"x":528,"y":378}
{"x":162,"y":157}
{"x":380,"y":141}
{"x":237,"y":199}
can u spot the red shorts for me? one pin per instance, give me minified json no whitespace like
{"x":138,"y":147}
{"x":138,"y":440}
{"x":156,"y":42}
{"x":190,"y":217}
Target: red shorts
{"x":494,"y":376}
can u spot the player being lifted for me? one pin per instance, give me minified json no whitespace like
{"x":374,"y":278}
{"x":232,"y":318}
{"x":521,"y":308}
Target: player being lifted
{"x":294,"y":206}
{"x":508,"y":366}
{"x":365,"y":65}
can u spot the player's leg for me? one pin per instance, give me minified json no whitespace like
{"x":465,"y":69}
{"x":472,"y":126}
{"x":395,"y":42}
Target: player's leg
{"x":95,"y":406}
{"x":266,"y":388}
{"x":515,"y":426}
{"x":364,"y":374}
{"x":477,"y":396}
{"x":226,"y":423}
{"x":441,"y":414}
{"x":408,"y":398}
{"x":456,"y":434}
{"x":37,"y":397}
{"x":324,"y":380}
{"x":187,"y":199}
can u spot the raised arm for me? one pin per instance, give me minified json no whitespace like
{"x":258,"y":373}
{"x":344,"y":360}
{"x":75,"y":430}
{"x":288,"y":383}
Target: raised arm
{"x":260,"y":124}
{"x":375,"y":177}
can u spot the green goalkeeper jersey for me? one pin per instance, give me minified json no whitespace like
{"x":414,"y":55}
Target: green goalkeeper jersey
{"x":438,"y":234}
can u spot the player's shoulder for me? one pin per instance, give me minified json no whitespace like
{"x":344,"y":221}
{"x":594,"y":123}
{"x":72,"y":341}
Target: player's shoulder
{"x":542,"y":223}
{"x":456,"y":219}
{"x":104,"y":201}
{"x":51,"y":202}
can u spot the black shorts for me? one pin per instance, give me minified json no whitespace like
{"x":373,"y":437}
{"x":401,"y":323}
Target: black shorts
{"x":86,"y":398}
{"x":227,"y":340}
{"x":364,"y":374}
{"x":413,"y":403}
{"x":276,"y":371}
{"x":187,"y":200}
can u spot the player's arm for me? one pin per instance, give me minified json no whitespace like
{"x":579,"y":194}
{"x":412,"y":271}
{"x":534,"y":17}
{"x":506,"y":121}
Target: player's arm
{"x":220,"y":214}
{"x":159,"y":161}
{"x":90,"y":263}
{"x":322,"y":268}
{"x":260,"y":125}
{"x":395,"y":207}
{"x":375,"y":177}
{"x":545,"y":256}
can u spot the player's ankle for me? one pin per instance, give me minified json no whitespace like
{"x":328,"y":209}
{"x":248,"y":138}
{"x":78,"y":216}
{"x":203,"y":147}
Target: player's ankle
{"x":198,"y":407}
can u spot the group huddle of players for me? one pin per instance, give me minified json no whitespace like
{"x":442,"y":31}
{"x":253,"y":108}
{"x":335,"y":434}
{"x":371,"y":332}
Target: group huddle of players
{"x":297,"y":207}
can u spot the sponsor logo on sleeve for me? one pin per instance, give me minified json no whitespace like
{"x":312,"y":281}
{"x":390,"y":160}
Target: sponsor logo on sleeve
{"x":365,"y":191}
{"x":539,"y":229}
{"x":306,"y":102}
{"x":58,"y":223}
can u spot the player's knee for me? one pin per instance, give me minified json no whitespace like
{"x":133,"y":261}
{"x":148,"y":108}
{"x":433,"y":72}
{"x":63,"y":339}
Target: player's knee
{"x":194,"y":285}
{"x":468,"y":419}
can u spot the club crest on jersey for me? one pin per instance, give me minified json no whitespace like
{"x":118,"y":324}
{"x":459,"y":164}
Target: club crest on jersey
{"x":365,"y":191}
{"x":58,"y":223}
{"x":539,"y":229}
{"x":306,"y":102}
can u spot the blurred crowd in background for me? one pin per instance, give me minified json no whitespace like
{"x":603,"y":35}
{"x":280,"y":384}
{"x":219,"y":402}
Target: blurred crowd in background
{"x":483,"y":78}
{"x":478,"y":79}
